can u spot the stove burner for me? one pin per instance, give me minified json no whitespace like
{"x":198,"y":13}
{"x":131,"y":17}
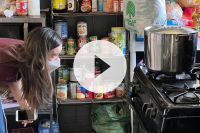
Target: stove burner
{"x":190,"y":97}
{"x":170,"y":76}
{"x":183,"y":95}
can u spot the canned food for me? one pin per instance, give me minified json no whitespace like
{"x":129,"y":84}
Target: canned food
{"x":108,"y":5}
{"x":62,"y":91}
{"x":100,"y":5}
{"x":120,"y":91}
{"x":61,"y":28}
{"x":119,"y":38}
{"x":98,"y":95}
{"x":93,"y":38}
{"x":86,"y":5}
{"x":80,"y":92}
{"x":59,"y":4}
{"x":63,"y":52}
{"x":89,"y":95}
{"x":71,"y":46}
{"x":110,"y":94}
{"x":82,"y":41}
{"x":71,"y":5}
{"x":121,"y":6}
{"x":72,"y":90}
{"x":115,"y":5}
{"x":82,"y":29}
{"x":63,"y":74}
{"x":22,"y":7}
{"x":94,"y":5}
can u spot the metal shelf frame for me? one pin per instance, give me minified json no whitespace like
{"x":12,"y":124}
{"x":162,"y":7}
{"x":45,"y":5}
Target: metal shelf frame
{"x":25,"y":20}
{"x":91,"y":101}
{"x":86,"y":14}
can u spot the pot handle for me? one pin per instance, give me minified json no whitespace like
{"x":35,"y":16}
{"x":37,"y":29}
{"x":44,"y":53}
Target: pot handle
{"x":170,"y":19}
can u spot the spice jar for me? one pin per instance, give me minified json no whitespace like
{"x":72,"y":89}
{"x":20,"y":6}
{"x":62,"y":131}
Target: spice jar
{"x":22,"y":7}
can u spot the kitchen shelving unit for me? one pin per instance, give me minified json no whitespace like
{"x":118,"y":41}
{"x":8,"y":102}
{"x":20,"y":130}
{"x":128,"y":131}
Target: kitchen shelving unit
{"x":25,"y":20}
{"x":92,"y":101}
{"x":70,"y":111}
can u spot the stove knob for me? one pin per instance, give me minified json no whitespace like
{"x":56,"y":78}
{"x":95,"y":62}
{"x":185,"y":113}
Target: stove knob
{"x":153,"y":113}
{"x":150,"y":113}
{"x":144,"y":107}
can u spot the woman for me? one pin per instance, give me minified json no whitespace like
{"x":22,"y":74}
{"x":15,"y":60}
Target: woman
{"x":25,"y":68}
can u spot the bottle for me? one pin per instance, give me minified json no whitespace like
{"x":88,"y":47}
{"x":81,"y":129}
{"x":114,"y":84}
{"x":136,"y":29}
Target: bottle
{"x":196,"y":18}
{"x":94,"y":5}
{"x":100,"y":5}
{"x":22,"y":7}
{"x":115,"y":5}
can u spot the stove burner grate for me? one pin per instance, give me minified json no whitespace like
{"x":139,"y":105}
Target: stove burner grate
{"x":184,"y":95}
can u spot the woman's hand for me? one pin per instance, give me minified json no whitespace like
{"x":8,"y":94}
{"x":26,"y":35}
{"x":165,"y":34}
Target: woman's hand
{"x":26,"y":122}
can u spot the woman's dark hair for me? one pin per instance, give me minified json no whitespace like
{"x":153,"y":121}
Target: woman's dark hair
{"x":37,"y":87}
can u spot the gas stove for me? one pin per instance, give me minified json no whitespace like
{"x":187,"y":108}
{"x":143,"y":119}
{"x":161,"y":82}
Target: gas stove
{"x":166,"y":104}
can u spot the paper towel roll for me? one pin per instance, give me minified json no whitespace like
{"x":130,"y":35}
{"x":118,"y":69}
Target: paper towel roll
{"x":33,"y":7}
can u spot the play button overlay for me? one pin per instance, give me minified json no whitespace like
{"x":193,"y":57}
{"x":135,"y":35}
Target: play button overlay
{"x":104,"y":66}
{"x":112,"y":63}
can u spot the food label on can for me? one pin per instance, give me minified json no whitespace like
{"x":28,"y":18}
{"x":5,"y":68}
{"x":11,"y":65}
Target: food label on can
{"x":86,"y":6}
{"x":100,"y":5}
{"x":59,"y":4}
{"x":89,"y":95}
{"x":62,"y":91}
{"x":80,"y":92}
{"x":98,"y":95}
{"x":22,"y":7}
{"x":94,"y":5}
{"x":109,"y":94}
{"x":82,"y":42}
{"x":71,"y":46}
{"x":61,"y":29}
{"x":82,"y":29}
{"x":71,"y":5}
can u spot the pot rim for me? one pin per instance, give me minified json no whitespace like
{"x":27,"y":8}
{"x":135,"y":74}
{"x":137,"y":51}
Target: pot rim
{"x":162,"y":30}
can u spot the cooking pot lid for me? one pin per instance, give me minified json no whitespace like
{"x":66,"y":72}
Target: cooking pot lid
{"x":171,"y":30}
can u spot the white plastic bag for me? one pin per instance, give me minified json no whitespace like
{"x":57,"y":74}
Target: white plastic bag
{"x":139,"y":14}
{"x":174,"y":11}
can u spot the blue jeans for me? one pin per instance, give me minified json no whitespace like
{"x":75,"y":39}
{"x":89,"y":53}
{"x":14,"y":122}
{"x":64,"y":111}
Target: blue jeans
{"x":2,"y":120}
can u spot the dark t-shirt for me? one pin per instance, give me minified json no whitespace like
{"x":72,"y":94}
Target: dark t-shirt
{"x":8,"y":69}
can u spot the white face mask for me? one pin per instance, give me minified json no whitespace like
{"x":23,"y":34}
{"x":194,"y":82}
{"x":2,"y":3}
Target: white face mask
{"x":53,"y":65}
